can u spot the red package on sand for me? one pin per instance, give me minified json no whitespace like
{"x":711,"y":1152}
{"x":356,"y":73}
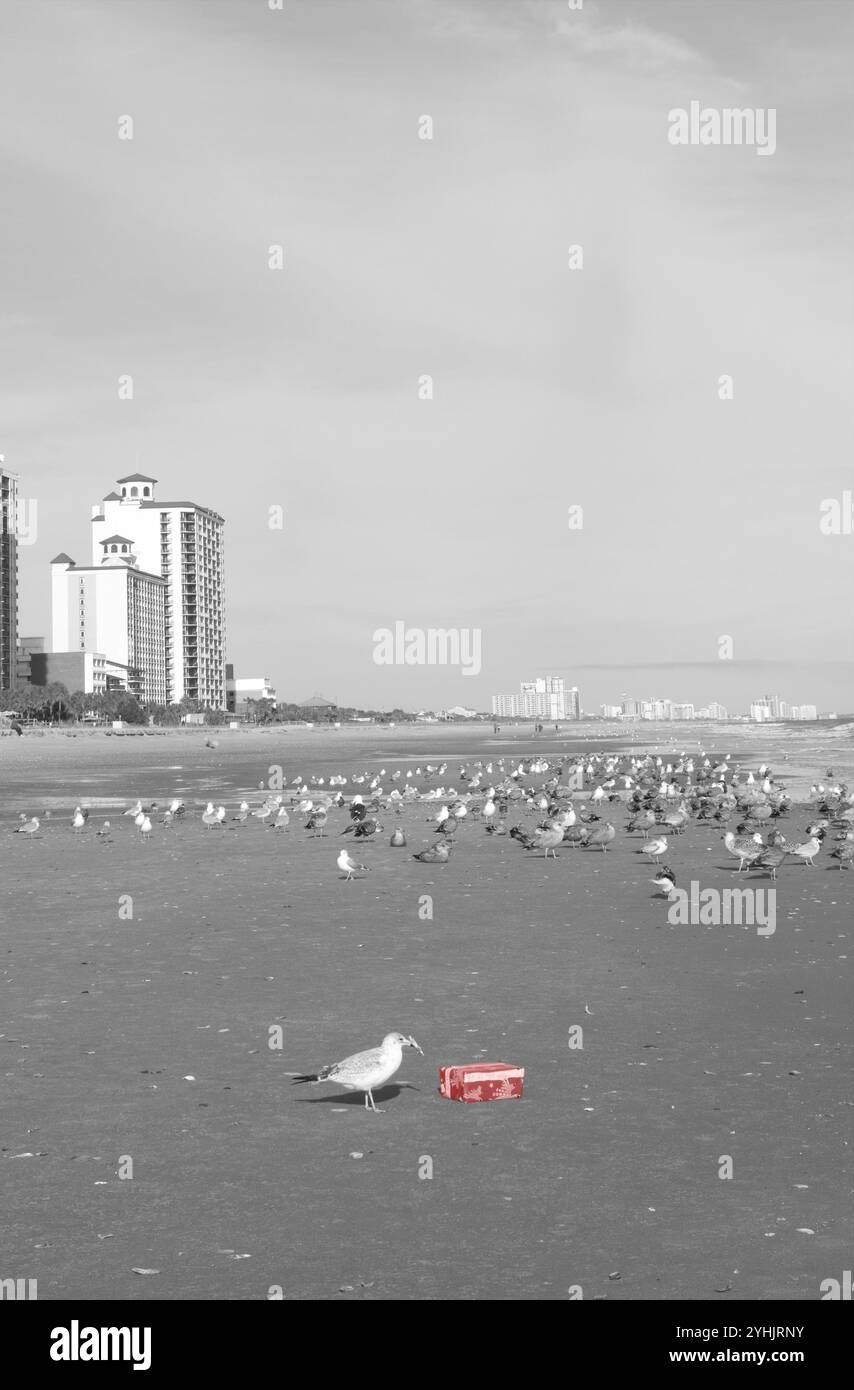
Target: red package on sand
{"x":476,"y":1081}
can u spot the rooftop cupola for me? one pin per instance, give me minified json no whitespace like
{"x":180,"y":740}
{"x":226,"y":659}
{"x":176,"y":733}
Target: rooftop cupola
{"x":117,"y":550}
{"x":136,"y":487}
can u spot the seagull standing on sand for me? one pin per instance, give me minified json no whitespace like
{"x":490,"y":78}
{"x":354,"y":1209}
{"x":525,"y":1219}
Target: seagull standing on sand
{"x":349,"y":866}
{"x":602,"y":837}
{"x":665,"y":880}
{"x":365,"y":1071}
{"x":316,"y":822}
{"x":744,"y":848}
{"x":806,"y":853}
{"x":29,"y":827}
{"x":546,"y":837}
{"x":654,"y":848}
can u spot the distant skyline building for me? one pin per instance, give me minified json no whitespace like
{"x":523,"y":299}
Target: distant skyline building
{"x":8,"y":578}
{"x":773,"y":708}
{"x":713,"y":711}
{"x":546,"y":698}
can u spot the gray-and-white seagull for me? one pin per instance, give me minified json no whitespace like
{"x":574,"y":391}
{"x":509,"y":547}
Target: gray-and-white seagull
{"x":365,"y":1071}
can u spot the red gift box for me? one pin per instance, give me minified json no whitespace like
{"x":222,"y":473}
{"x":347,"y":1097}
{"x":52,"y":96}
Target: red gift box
{"x":481,"y":1081}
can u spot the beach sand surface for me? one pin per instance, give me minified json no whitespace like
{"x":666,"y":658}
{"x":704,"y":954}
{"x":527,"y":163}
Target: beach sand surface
{"x":147,"y":1038}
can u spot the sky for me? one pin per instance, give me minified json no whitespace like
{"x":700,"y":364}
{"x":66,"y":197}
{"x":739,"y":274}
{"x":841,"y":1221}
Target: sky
{"x":553,"y":388}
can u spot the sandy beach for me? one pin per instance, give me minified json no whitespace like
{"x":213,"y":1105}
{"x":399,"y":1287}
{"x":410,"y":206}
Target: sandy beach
{"x":147,"y":1037}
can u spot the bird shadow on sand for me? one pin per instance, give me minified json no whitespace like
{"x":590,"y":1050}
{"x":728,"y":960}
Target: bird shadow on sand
{"x":358,"y":1097}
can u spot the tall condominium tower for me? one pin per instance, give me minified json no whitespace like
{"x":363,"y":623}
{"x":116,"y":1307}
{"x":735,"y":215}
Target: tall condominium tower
{"x":183,"y":544}
{"x":8,"y":578}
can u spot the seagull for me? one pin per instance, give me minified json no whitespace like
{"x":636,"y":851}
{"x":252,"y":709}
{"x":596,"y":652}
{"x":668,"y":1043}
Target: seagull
{"x":282,"y":820}
{"x":545,"y":837}
{"x":645,"y":821}
{"x":349,"y":866}
{"x":145,"y":827}
{"x":771,"y":858}
{"x":844,"y":853}
{"x":317,"y":821}
{"x":806,"y":853}
{"x":365,"y":1071}
{"x":210,"y":817}
{"x":78,"y":821}
{"x":134,"y":810}
{"x":398,"y":839}
{"x":576,"y":835}
{"x":603,"y":837}
{"x":242,"y":813}
{"x":745,"y":848}
{"x":666,"y":881}
{"x":439,"y":853}
{"x":104,"y":832}
{"x":654,"y":848}
{"x":30,"y":827}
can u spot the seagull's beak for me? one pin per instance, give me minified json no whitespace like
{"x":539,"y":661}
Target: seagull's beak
{"x":413,"y":1043}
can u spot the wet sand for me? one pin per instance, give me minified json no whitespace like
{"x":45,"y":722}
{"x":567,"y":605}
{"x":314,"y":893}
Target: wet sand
{"x":699,"y":1042}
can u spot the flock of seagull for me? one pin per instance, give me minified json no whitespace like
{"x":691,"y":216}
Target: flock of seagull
{"x":562,"y":802}
{"x":568,"y":799}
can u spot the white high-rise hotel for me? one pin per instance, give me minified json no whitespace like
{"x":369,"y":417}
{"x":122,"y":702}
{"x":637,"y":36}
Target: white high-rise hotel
{"x":152,"y":599}
{"x":543,"y":698}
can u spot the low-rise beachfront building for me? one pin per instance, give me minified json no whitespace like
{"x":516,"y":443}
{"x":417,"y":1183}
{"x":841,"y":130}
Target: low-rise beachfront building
{"x":93,"y":673}
{"x":242,"y":691}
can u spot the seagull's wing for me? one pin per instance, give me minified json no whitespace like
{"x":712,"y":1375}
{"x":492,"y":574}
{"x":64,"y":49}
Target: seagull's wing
{"x":356,"y":1065}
